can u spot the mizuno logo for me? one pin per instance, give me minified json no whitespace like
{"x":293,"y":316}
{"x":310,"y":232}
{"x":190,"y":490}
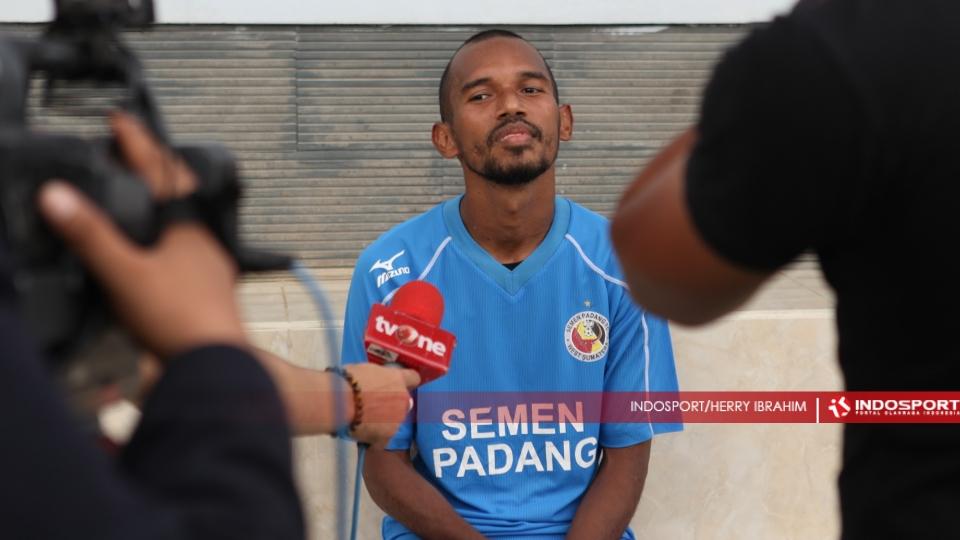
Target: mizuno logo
{"x":387,"y":265}
{"x":387,"y":276}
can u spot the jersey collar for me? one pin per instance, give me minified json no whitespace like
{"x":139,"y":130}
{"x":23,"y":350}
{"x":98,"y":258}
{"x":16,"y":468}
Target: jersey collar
{"x":510,"y":280}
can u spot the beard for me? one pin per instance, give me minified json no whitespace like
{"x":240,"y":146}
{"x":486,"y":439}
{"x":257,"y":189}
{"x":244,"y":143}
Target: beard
{"x":510,"y":172}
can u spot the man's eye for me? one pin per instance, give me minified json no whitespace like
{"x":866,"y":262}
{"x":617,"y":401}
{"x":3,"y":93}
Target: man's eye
{"x":532,"y":90}
{"x":479,"y":97}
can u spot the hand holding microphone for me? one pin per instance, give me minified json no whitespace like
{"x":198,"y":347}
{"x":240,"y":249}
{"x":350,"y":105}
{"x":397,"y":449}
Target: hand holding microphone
{"x":404,"y":338}
{"x":386,"y":401}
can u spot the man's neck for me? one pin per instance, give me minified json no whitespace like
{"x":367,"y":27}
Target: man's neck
{"x":508,"y":222}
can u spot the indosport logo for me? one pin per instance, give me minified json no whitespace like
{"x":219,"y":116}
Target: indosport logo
{"x":839,"y":407}
{"x":587,"y":336}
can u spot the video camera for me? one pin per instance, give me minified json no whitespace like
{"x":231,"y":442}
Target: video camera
{"x":63,"y":306}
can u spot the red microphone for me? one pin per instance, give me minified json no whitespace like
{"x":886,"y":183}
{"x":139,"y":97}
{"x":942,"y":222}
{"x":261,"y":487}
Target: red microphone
{"x":408,"y":333}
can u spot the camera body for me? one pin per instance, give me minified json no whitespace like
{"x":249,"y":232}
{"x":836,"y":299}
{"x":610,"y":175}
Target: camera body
{"x":63,"y":306}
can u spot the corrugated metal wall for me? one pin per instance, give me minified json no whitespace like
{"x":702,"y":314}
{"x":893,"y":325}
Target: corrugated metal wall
{"x":332,"y":124}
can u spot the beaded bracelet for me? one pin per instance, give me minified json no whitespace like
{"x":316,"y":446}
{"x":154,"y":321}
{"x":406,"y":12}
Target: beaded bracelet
{"x":357,"y":401}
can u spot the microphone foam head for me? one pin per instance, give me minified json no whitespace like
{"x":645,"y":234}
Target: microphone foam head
{"x":420,"y":300}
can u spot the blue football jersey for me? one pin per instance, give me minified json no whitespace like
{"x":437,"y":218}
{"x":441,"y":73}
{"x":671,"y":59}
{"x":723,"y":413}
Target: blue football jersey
{"x":560,"y":324}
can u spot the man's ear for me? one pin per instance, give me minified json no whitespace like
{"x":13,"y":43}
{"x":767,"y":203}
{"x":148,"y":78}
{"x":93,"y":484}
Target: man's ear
{"x":566,"y":122}
{"x":443,"y":140}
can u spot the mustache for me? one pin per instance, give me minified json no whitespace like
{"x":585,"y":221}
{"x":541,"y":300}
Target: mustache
{"x":509,"y":123}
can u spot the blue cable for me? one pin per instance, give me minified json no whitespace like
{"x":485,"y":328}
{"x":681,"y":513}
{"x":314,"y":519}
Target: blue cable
{"x":357,"y":482}
{"x":340,"y":457}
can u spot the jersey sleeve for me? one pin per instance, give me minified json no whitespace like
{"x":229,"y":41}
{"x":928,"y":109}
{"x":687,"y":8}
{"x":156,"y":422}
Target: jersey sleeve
{"x":641,"y":360}
{"x":779,"y":147}
{"x":361,"y":296}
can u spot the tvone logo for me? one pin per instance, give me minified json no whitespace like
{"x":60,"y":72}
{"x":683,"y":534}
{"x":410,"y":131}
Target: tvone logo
{"x":408,"y":335}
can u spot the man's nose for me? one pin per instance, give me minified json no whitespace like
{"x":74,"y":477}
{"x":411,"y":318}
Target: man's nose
{"x":511,"y":105}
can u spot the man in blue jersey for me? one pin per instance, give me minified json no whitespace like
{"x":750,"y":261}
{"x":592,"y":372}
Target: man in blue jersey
{"x":542,"y":319}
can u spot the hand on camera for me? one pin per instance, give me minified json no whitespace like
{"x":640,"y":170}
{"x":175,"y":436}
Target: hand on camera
{"x":173,"y":296}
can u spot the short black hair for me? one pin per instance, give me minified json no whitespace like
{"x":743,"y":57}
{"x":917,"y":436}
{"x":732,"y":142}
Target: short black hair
{"x":445,"y":111}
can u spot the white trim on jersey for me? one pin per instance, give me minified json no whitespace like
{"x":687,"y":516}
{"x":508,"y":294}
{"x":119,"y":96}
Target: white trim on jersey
{"x":433,"y":260}
{"x":436,"y":255}
{"x":592,"y":266}
{"x":646,"y":360}
{"x":643,"y":317}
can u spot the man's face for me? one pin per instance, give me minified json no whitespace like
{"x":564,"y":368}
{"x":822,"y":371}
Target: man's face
{"x":505,"y":124}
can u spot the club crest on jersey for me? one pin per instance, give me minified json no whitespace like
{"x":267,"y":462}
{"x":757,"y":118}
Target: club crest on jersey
{"x":587,"y":335}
